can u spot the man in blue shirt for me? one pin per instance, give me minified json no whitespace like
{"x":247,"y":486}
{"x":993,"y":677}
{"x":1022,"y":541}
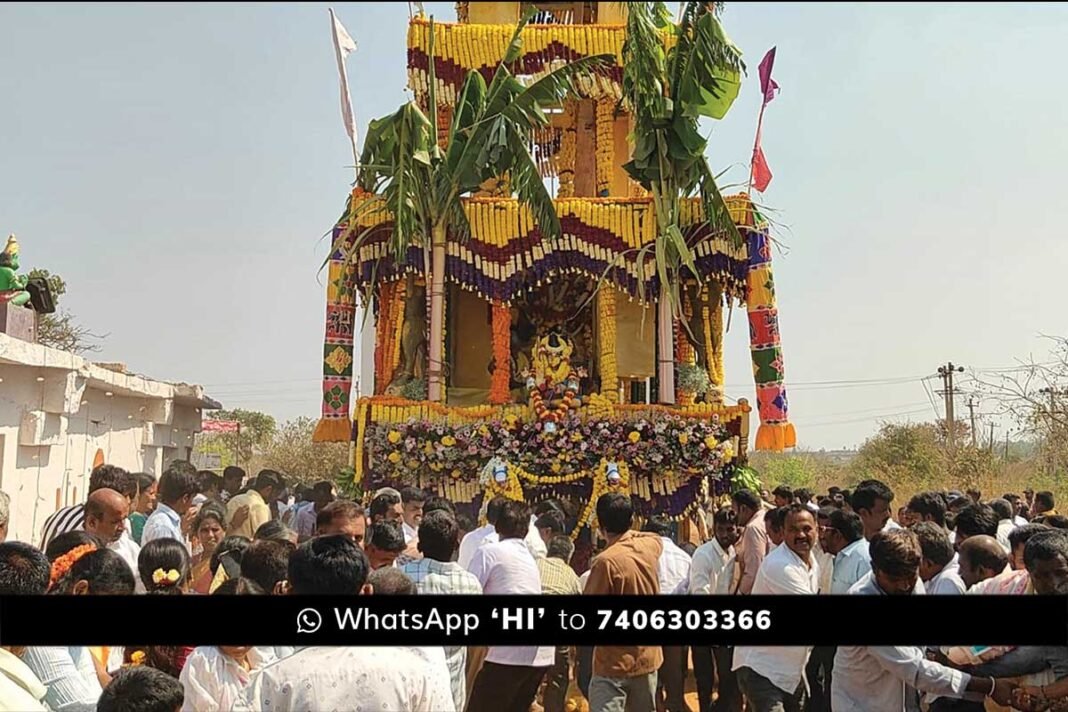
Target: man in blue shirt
{"x":843,"y":537}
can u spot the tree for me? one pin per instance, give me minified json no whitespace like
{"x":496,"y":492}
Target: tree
{"x":422,"y":184}
{"x":292,"y":452}
{"x":255,"y":435}
{"x":668,"y":92}
{"x":1034,"y":395}
{"x":60,"y":330}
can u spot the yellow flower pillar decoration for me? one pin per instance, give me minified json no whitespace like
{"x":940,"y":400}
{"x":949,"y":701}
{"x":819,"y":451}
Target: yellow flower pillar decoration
{"x":606,"y":160}
{"x":712,"y":314}
{"x":606,"y":342}
{"x":566,"y":159}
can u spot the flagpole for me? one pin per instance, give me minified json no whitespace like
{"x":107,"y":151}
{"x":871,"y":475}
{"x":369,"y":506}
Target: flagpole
{"x":756,"y":146}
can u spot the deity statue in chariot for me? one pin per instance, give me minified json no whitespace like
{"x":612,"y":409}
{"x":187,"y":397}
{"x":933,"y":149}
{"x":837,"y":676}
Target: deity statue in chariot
{"x":553,"y":382}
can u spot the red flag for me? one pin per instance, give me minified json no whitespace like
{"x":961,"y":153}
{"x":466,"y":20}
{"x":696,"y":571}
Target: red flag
{"x":761,"y":171}
{"x":768,"y":87}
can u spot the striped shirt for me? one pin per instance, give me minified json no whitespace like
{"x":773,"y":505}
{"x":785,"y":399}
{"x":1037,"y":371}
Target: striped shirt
{"x":67,"y":519}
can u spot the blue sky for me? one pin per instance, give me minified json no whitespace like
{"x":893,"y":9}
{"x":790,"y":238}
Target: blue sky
{"x":177,"y":164}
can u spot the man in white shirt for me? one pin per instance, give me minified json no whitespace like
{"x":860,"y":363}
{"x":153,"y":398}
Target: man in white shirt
{"x":940,"y":577}
{"x":771,"y":676}
{"x":673,"y":570}
{"x":476,"y":537}
{"x":412,"y":501}
{"x":380,"y":678}
{"x":322,"y":494}
{"x":1003,"y":510}
{"x":106,"y":516}
{"x":892,"y":674}
{"x":712,"y":572}
{"x":510,"y":675}
{"x":753,"y":546}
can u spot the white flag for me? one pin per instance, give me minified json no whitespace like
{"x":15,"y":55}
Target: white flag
{"x":344,"y":45}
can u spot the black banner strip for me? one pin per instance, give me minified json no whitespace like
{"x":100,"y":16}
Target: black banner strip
{"x":532,"y":620}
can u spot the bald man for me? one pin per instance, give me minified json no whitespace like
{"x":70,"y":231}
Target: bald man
{"x":105,"y":516}
{"x":981,"y":558}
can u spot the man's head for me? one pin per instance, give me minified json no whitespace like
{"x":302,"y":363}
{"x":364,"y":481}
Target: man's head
{"x":439,"y":535}
{"x":111,"y":477}
{"x":871,"y":500}
{"x":799,"y":530}
{"x":725,"y":528}
{"x":385,"y":542}
{"x":412,"y":501}
{"x":389,"y":581}
{"x":1043,"y":502}
{"x":935,"y":547}
{"x":842,"y":529}
{"x":550,"y":524}
{"x":387,"y":507}
{"x":928,"y":507}
{"x":1046,"y":559}
{"x":343,"y":518}
{"x":658,"y":525}
{"x":1002,"y":508}
{"x":615,"y":514}
{"x":774,"y":520}
{"x":322,"y":494}
{"x":1018,"y":539}
{"x":560,"y":547}
{"x":493,"y":509}
{"x":210,"y":483}
{"x":435,"y":503}
{"x":328,"y":566}
{"x":895,"y":561}
{"x":803,"y":495}
{"x":957,"y":502}
{"x":105,"y":514}
{"x":271,"y":485}
{"x":177,"y":488}
{"x":974,"y":494}
{"x":24,"y":571}
{"x":975,"y":520}
{"x":782,"y":496}
{"x":981,"y":558}
{"x":514,"y":520}
{"x":266,"y":562}
{"x":141,"y":689}
{"x":746,"y":504}
{"x":233,"y":479}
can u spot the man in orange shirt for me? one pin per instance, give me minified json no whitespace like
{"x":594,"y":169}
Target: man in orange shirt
{"x":624,"y":677}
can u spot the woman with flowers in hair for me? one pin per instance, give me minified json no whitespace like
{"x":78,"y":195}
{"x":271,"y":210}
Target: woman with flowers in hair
{"x":163,"y":565}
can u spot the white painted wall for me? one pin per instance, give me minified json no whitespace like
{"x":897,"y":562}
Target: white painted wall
{"x":40,"y":478}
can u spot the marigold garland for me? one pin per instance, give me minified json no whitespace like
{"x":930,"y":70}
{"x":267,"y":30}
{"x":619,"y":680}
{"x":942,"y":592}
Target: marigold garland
{"x":388,"y":331}
{"x":606,"y":342}
{"x":565,"y":159}
{"x":63,"y":564}
{"x":502,"y":338}
{"x":605,"y":134}
{"x":602,"y":486}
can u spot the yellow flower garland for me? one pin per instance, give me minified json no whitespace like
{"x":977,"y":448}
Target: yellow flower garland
{"x":565,"y":159}
{"x":606,"y":341}
{"x":602,"y":486}
{"x":606,"y":163}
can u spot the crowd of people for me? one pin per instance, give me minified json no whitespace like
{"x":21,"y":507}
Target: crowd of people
{"x":193,"y":532}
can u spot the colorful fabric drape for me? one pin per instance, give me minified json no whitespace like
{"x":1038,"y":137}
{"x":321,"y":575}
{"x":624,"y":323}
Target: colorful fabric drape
{"x":335,"y":425}
{"x":775,"y":432}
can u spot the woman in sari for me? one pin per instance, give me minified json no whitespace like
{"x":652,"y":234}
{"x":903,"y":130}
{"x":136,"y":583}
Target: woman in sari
{"x":209,"y":528}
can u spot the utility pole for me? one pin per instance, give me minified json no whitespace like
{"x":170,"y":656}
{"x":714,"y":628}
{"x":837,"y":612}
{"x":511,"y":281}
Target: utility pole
{"x":991,"y":438}
{"x":971,"y":417}
{"x":946,"y":372}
